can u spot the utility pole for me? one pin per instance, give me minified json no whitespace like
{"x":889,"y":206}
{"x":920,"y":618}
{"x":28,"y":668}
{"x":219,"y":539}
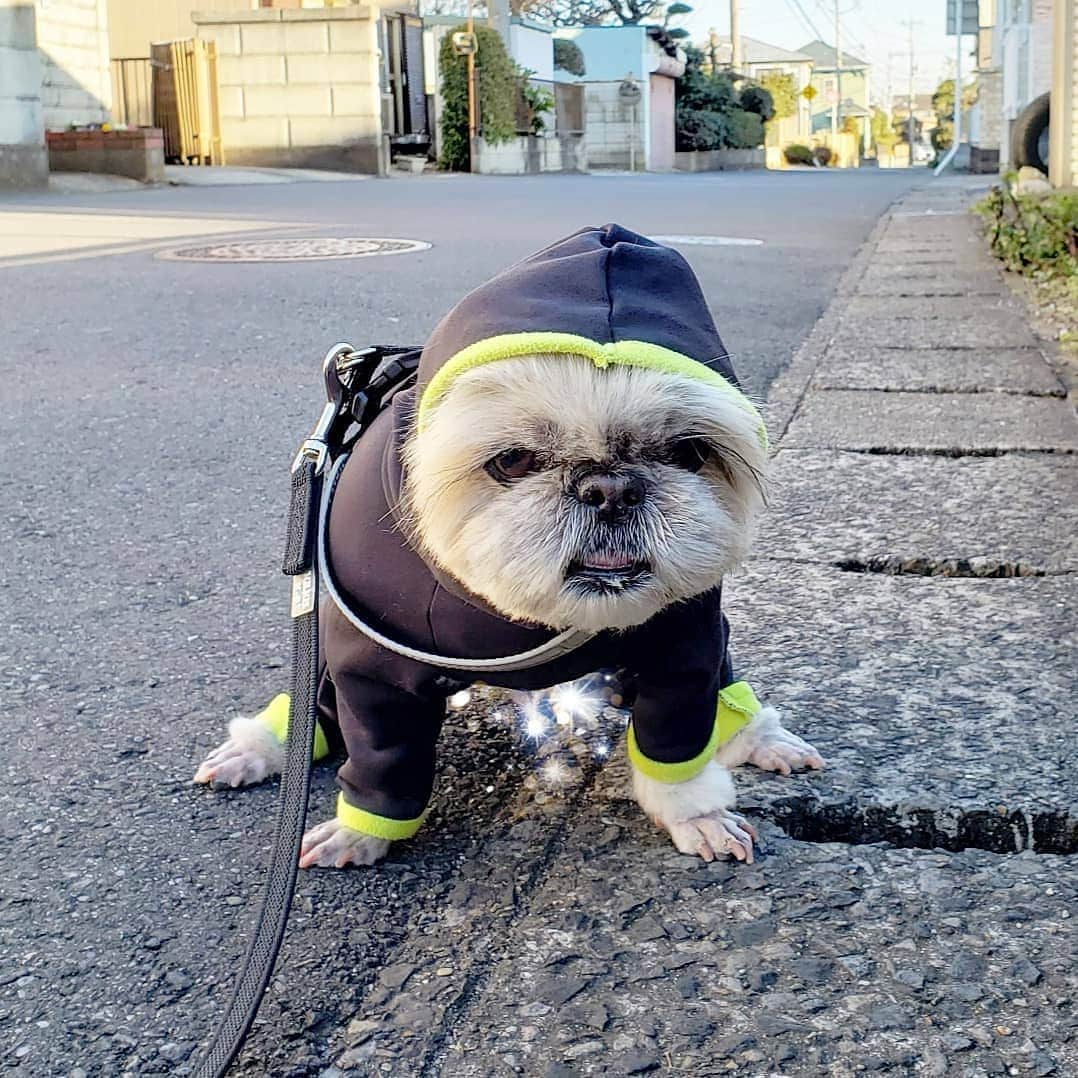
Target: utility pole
{"x":713,"y":50}
{"x":735,"y":38}
{"x":910,"y":122}
{"x":836,"y":105}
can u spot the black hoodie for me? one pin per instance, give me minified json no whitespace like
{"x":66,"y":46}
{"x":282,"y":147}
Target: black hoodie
{"x":614,"y":297}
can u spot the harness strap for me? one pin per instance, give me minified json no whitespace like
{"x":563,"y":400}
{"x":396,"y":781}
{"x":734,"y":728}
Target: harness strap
{"x":553,"y":649}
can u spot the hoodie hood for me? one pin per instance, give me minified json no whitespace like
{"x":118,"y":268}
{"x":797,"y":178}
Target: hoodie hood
{"x":606,"y":294}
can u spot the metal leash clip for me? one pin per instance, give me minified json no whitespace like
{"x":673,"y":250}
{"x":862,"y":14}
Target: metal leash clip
{"x":339,"y":359}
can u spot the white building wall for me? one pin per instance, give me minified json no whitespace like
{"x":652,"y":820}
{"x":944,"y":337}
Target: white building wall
{"x":24,"y":160}
{"x":73,"y":40}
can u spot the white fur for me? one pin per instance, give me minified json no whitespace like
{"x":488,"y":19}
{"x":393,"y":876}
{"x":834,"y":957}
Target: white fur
{"x":675,"y":802}
{"x":250,"y":755}
{"x":511,"y":544}
{"x":767,"y":744}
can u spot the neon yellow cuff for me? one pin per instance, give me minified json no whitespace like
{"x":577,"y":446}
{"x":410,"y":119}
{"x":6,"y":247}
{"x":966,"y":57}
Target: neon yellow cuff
{"x":379,"y":826}
{"x":274,"y":716}
{"x":736,"y":708}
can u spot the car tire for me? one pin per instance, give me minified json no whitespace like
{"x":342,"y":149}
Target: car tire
{"x":1029,"y":143}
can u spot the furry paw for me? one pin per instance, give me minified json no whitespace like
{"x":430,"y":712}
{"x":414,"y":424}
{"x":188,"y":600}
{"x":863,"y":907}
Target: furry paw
{"x":767,"y":744}
{"x":250,"y":755}
{"x":332,"y":845}
{"x":712,"y":836}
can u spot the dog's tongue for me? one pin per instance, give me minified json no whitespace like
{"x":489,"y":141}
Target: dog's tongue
{"x":608,"y":561}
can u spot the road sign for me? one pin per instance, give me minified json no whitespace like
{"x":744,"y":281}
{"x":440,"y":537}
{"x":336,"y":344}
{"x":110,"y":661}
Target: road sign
{"x":809,"y":92}
{"x":629,"y":91}
{"x":968,"y":9}
{"x":464,"y":44}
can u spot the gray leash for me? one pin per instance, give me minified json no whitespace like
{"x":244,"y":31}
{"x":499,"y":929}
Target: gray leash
{"x":359,"y":384}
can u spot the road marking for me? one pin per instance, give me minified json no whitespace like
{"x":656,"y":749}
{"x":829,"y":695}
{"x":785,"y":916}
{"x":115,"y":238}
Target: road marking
{"x":708,"y":241}
{"x":30,"y":237}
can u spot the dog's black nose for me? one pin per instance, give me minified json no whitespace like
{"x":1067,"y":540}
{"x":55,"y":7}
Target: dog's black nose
{"x":611,"y":495}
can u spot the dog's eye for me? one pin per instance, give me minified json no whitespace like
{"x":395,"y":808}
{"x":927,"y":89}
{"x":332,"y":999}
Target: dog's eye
{"x":690,"y":453}
{"x":512,"y":464}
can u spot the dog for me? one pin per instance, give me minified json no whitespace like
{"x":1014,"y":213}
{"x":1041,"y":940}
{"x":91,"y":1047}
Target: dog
{"x":578,"y":461}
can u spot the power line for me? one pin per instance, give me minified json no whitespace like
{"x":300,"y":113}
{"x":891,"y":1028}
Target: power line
{"x":791,"y":4}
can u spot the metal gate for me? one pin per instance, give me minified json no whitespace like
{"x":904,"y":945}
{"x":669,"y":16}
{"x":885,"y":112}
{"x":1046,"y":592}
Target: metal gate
{"x":405,"y":101}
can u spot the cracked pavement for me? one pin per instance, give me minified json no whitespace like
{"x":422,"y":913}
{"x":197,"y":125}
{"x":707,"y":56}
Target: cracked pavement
{"x":911,"y":605}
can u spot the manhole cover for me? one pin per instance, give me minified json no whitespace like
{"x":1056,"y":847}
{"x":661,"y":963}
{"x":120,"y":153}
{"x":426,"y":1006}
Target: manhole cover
{"x":293,"y":250}
{"x":708,"y":241}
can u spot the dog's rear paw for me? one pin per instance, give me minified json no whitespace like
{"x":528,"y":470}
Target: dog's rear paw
{"x":250,"y":755}
{"x":332,"y":845}
{"x":715,"y":835}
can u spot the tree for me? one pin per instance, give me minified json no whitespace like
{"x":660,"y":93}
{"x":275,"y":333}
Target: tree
{"x":756,"y":99}
{"x":783,"y":93}
{"x":602,"y":12}
{"x":568,"y":57}
{"x":943,"y":107}
{"x":883,"y":135}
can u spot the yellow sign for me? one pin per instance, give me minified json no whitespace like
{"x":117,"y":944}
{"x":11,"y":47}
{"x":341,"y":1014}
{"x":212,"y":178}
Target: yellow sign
{"x":809,"y":92}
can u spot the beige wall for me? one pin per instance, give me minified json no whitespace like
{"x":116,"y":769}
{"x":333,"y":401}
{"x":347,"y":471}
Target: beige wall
{"x":1063,"y":135}
{"x":72,"y":38}
{"x":135,"y":24}
{"x":662,"y":124}
{"x":299,"y":87}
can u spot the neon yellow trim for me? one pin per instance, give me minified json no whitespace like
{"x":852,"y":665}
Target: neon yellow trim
{"x":379,"y":826}
{"x":274,"y":716}
{"x":736,"y":707}
{"x":623,"y":353}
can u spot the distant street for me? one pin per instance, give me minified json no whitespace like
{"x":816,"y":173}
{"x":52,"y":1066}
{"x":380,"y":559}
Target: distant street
{"x":149,"y":411}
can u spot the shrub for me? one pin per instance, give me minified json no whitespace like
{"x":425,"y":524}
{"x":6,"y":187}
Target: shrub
{"x":497,"y":76}
{"x":700,"y":129}
{"x":1036,"y":236}
{"x":745,"y":130}
{"x":568,"y":57}
{"x":783,"y":91}
{"x":758,"y":100}
{"x":537,"y":102}
{"x":797,"y":154}
{"x":704,"y":92}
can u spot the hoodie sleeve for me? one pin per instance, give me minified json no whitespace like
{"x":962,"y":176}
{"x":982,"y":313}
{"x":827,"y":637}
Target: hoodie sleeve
{"x":687,"y":703}
{"x":390,"y":736}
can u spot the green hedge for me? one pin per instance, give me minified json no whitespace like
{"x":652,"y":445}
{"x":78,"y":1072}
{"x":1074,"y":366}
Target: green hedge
{"x":744,"y":130}
{"x":497,"y":79}
{"x":1036,"y":235}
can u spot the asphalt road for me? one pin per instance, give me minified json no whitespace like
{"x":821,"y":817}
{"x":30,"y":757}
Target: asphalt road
{"x":149,"y":412}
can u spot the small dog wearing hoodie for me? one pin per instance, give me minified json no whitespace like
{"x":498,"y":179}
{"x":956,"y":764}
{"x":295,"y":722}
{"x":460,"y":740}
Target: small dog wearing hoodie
{"x":576,"y":458}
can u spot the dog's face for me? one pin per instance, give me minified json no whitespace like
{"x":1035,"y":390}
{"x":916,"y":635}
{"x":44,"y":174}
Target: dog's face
{"x":582,"y":498}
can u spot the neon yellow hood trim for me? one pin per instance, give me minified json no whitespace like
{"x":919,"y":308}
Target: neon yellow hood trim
{"x":619,"y":353}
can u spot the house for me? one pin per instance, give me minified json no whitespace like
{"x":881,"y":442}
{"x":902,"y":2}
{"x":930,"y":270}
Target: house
{"x":924,"y":115}
{"x":758,"y":60}
{"x":622,"y":130}
{"x":1014,"y":66}
{"x":855,"y":79}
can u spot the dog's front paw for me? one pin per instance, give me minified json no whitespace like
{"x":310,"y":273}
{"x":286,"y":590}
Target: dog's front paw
{"x":332,"y":845}
{"x":767,"y":744}
{"x":720,"y":833}
{"x":250,"y":755}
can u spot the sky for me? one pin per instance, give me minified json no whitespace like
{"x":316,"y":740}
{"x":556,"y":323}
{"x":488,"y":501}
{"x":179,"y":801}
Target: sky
{"x":874,"y":30}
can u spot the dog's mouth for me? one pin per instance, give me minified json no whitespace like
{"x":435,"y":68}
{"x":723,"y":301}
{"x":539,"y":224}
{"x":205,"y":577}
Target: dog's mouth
{"x":607,"y":572}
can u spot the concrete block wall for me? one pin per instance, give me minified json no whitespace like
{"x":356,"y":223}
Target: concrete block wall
{"x":608,"y":126}
{"x":299,"y":87}
{"x":24,"y":161}
{"x":73,"y":40}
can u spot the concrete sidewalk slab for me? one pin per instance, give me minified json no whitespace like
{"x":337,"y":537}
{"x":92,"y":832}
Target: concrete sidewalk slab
{"x":939,"y":370}
{"x":940,"y":704}
{"x":818,"y":960}
{"x":914,"y":322}
{"x":946,"y":423}
{"x":917,"y":514}
{"x":918,"y":279}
